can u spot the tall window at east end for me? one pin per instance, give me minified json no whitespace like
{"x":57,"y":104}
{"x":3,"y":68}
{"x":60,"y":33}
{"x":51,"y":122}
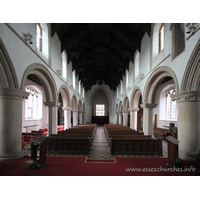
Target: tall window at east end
{"x":100,"y":110}
{"x":33,"y":105}
{"x":39,"y":37}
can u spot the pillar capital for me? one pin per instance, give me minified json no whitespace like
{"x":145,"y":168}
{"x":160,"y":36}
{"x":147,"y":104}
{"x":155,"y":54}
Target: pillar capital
{"x":133,"y":109}
{"x":125,"y":111}
{"x":11,"y":93}
{"x":75,"y":110}
{"x":191,"y":96}
{"x":66,"y":108}
{"x":148,"y":105}
{"x":49,"y":104}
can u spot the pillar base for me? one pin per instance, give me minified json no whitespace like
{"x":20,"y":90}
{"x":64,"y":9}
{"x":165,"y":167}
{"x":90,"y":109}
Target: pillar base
{"x":189,"y":156}
{"x":13,"y":156}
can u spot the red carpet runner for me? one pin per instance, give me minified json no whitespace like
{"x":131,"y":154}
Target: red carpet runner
{"x":76,"y":166}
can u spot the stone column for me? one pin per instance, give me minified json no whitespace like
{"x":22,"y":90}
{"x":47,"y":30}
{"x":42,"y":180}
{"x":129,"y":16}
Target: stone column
{"x":188,"y":123}
{"x":67,"y":117}
{"x":133,"y":118}
{"x":75,"y":117}
{"x":11,"y":124}
{"x":83,"y":117}
{"x":117,"y":115}
{"x":120,"y":118}
{"x":79,"y":117}
{"x":125,"y":118}
{"x":148,"y":118}
{"x":53,"y":112}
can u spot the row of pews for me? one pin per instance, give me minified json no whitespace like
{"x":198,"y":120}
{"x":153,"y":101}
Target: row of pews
{"x":75,"y":140}
{"x":123,"y":140}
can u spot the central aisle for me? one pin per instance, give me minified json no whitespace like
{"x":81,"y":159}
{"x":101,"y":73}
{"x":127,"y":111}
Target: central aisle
{"x":99,"y":149}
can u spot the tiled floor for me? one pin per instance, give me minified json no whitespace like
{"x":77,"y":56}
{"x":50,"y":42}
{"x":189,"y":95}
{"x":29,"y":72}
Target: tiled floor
{"x":100,"y":149}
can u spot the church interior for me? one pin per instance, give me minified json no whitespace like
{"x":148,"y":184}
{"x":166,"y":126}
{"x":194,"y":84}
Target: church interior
{"x":104,"y":93}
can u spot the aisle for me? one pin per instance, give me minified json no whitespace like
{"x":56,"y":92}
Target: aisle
{"x":99,"y":149}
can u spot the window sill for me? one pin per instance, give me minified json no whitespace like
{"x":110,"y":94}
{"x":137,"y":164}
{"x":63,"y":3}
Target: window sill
{"x":171,"y":120}
{"x":33,"y":119}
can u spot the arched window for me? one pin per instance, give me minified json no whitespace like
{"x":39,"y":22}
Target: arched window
{"x":127,"y":80}
{"x":39,"y":37}
{"x":64,"y":65}
{"x":121,"y":90}
{"x":33,"y":105}
{"x":74,"y":79}
{"x":171,"y":106}
{"x":42,"y":40}
{"x":83,"y":93}
{"x":137,"y":57}
{"x":161,"y":37}
{"x":79,"y":87}
{"x":168,"y":108}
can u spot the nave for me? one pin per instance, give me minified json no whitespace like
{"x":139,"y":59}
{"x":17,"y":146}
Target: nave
{"x":100,"y":149}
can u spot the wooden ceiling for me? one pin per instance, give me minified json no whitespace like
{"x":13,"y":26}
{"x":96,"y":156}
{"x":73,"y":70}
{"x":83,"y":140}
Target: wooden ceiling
{"x":100,"y":52}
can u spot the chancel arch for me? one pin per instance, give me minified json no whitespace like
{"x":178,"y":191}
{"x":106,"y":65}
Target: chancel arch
{"x":107,"y":100}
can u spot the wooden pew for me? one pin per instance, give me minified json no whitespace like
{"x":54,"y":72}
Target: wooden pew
{"x":74,"y":140}
{"x":123,"y":140}
{"x":69,"y":144}
{"x":137,"y":146}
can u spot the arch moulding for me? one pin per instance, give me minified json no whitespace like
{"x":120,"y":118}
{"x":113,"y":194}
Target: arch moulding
{"x":153,"y":81}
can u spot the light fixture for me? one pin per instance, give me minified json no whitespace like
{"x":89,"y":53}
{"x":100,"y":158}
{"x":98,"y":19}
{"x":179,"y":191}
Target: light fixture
{"x":191,"y":27}
{"x":59,"y":72}
{"x":28,"y":37}
{"x":141,"y":76}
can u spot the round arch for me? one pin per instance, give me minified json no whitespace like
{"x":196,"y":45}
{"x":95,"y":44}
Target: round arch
{"x":154,"y":81}
{"x":74,"y":103}
{"x":65,"y":95}
{"x":80,"y":105}
{"x":83,"y":107}
{"x":8,"y":77}
{"x":46,"y":79}
{"x":135,"y":95}
{"x":126,"y":104}
{"x":190,"y":81}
